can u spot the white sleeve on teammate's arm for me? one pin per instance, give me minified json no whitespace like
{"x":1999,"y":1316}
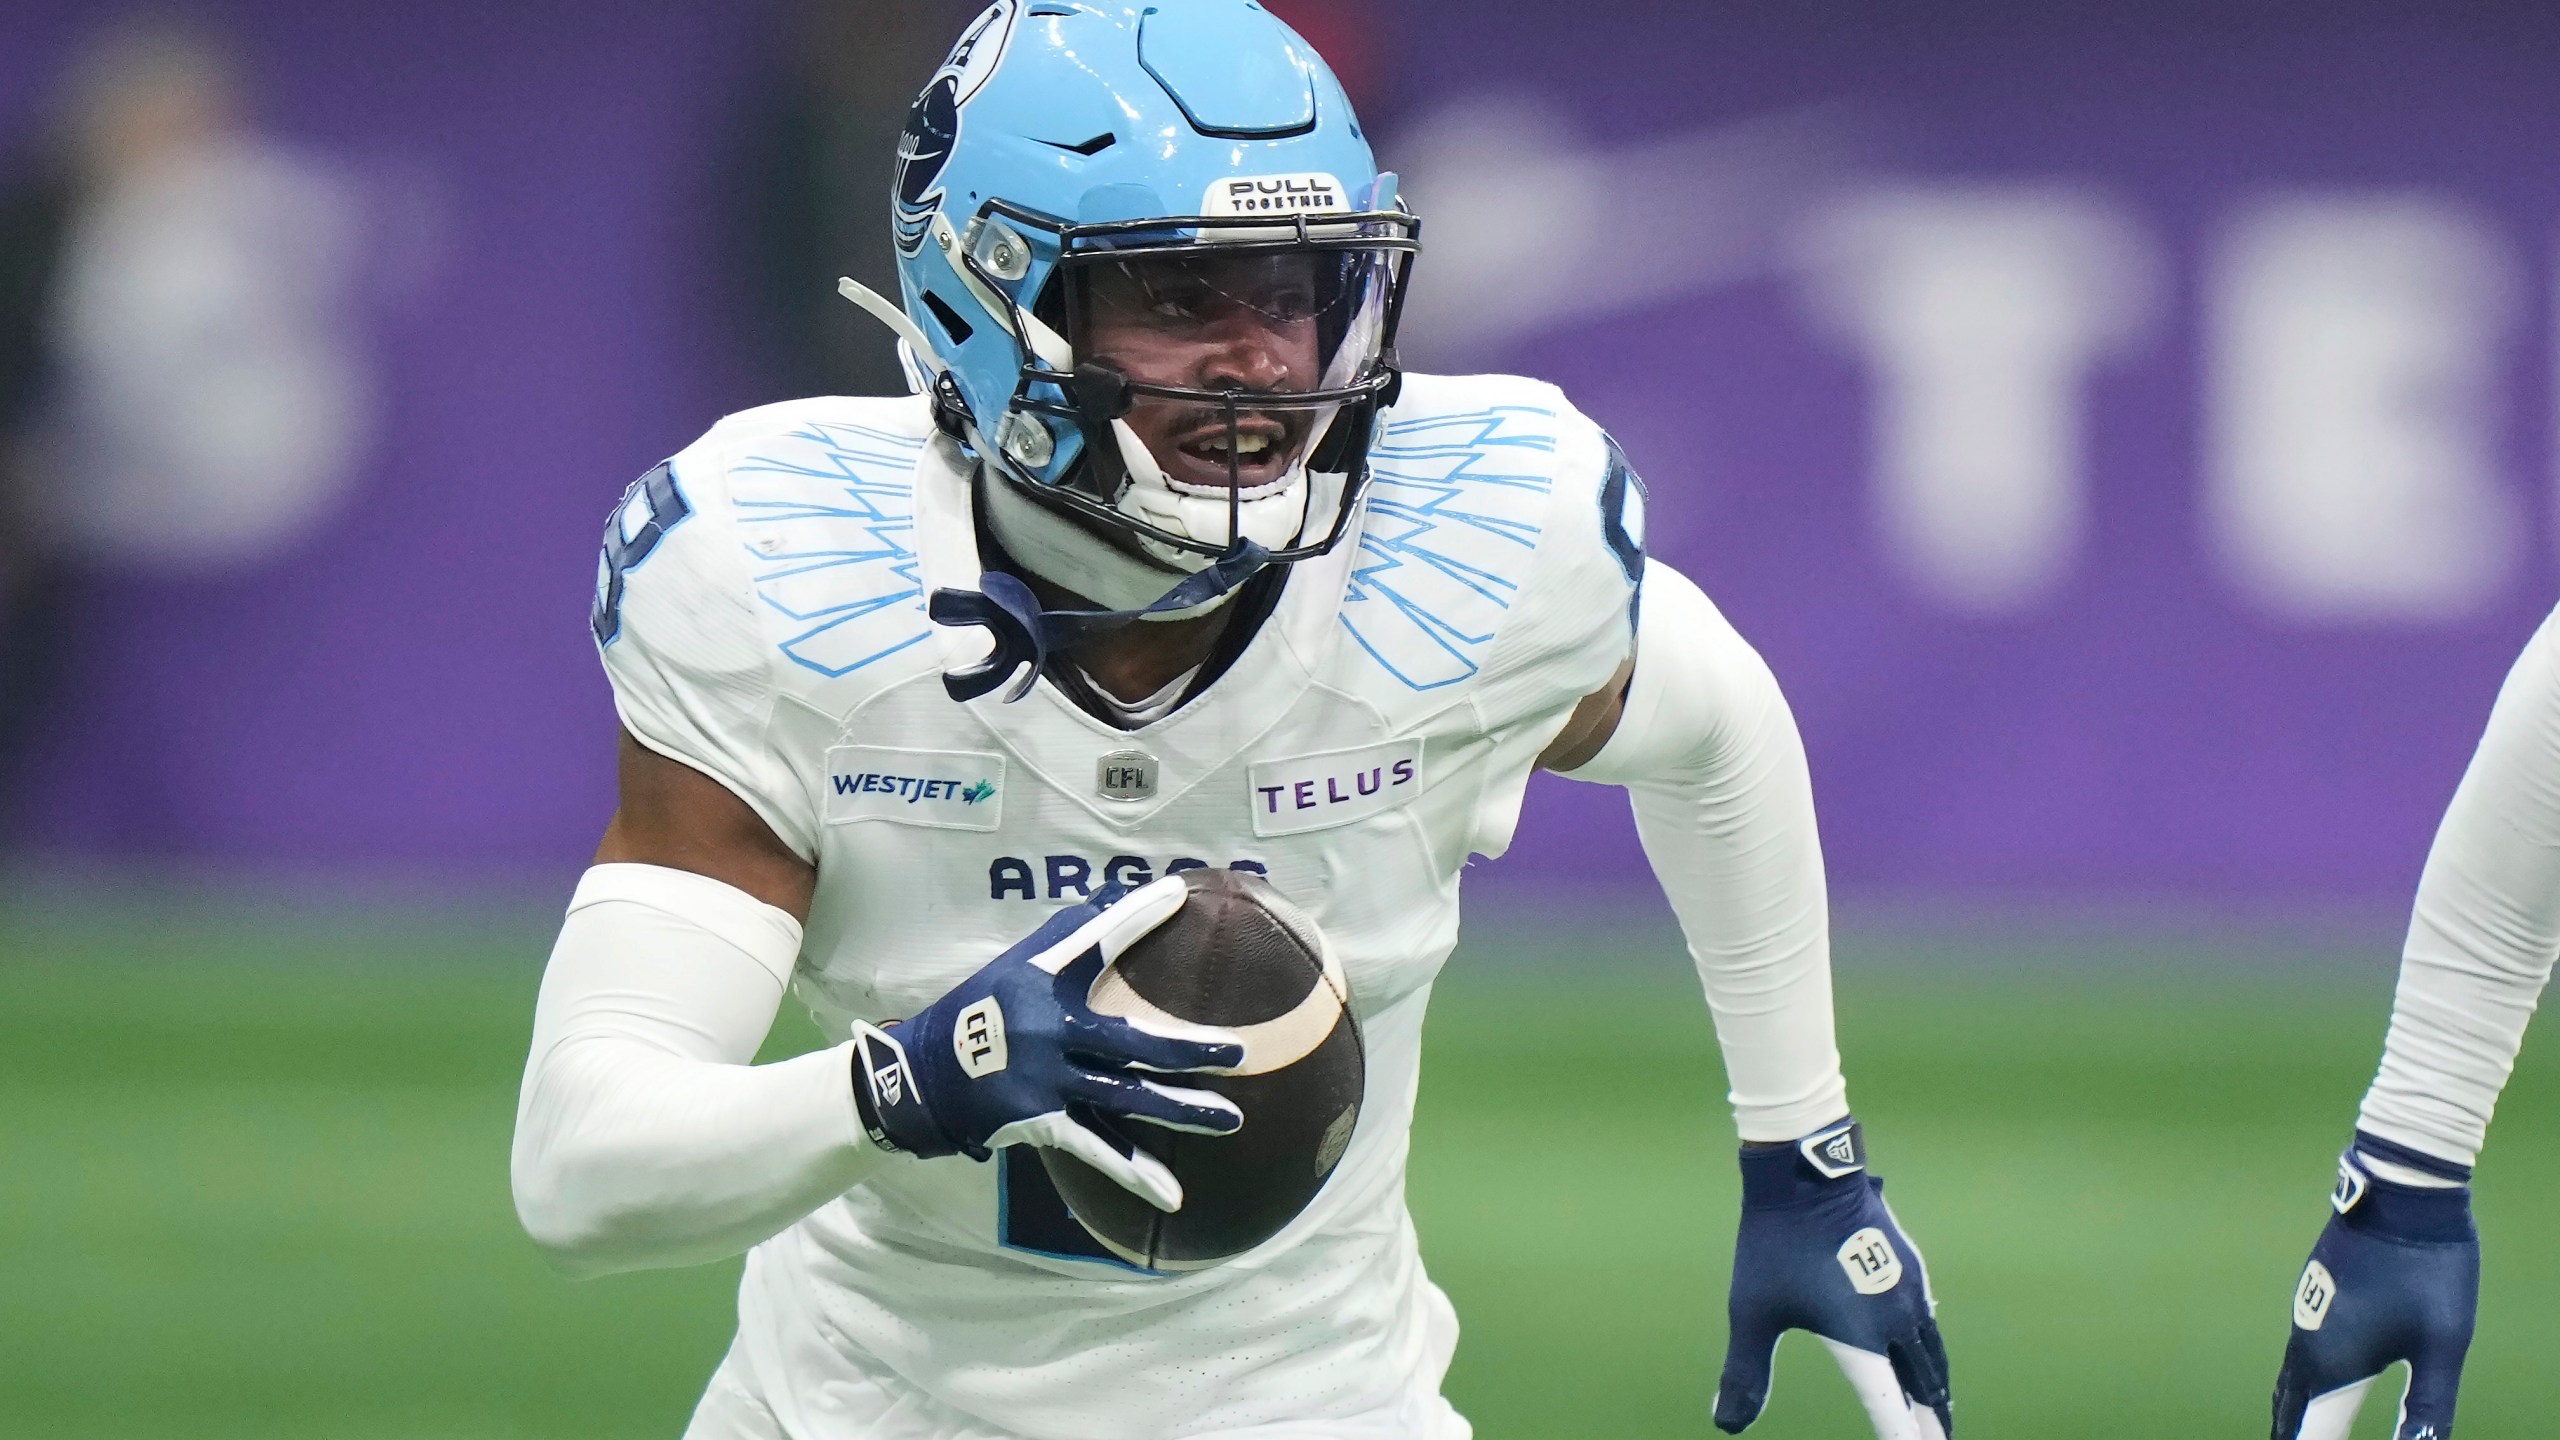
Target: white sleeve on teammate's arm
{"x":2486,"y":928}
{"x":1724,"y":803}
{"x":644,"y":1137}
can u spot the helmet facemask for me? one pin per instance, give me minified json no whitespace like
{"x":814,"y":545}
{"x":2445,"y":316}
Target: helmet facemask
{"x":1222,"y":379}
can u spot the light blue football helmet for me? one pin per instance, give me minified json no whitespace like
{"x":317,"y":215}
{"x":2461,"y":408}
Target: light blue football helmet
{"x":1063,"y":138}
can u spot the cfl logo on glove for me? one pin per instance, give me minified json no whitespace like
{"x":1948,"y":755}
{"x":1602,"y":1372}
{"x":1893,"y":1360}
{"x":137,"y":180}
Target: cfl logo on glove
{"x":1869,"y":1260}
{"x":978,"y":1039}
{"x":2311,"y":1298}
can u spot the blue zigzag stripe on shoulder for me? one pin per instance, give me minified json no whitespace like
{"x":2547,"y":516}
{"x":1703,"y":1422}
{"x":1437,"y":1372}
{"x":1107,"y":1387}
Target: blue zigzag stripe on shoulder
{"x":828,"y":517}
{"x":1453,"y":502}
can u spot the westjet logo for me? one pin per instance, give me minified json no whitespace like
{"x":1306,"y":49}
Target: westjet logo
{"x":913,"y":789}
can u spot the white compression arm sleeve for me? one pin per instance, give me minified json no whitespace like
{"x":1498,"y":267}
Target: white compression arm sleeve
{"x":644,"y":1137}
{"x":1724,"y":804}
{"x":2486,"y":927}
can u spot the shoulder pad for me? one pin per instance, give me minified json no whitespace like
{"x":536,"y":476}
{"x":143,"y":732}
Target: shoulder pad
{"x":820,"y":496}
{"x":1483,"y":519}
{"x":768,"y":556}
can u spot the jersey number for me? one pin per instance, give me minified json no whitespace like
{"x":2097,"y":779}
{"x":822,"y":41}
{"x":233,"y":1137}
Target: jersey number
{"x":657,"y":506}
{"x":1031,"y":1216}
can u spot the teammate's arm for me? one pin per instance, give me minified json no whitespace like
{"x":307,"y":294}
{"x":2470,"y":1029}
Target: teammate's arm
{"x":1701,"y":737}
{"x":2395,"y":1275}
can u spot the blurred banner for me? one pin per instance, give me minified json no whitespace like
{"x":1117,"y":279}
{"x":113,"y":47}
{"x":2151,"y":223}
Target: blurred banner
{"x":2133,"y":447}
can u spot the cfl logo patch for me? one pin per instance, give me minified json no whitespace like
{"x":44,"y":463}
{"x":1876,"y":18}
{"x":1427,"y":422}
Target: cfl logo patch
{"x":2312,"y":1298}
{"x":978,"y":1040}
{"x":1869,"y":1260}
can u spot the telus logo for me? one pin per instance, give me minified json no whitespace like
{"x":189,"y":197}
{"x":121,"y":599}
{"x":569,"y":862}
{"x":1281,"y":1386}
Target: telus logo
{"x":1336,"y":787}
{"x":1329,"y":789}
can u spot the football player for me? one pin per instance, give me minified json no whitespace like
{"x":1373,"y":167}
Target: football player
{"x":927,"y":701}
{"x":2396,"y":1274}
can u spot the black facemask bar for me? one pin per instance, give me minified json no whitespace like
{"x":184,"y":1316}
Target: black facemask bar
{"x":1093,"y":395}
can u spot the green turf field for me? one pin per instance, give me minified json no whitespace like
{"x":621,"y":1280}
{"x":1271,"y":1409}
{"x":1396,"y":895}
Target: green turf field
{"x":247,"y":1191}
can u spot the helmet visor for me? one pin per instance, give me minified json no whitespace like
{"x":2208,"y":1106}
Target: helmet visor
{"x":1214,"y":318}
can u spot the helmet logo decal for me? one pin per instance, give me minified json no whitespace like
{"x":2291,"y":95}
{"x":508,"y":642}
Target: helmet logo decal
{"x":933,"y":122}
{"x":1273,"y":194}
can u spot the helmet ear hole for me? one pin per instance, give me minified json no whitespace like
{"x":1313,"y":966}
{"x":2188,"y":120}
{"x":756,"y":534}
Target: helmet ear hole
{"x":1049,"y":307}
{"x":949,"y":319}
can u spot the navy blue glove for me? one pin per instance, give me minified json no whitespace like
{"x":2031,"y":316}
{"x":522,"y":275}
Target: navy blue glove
{"x":1820,"y":1251}
{"x":2395,"y":1276}
{"x":1016,"y":1055}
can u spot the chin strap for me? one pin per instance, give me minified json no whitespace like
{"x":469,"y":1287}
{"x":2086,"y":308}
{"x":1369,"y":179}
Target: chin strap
{"x":1025,"y":634}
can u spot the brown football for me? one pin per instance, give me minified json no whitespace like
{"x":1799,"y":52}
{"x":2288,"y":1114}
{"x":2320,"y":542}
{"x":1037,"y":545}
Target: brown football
{"x":1237,"y":954}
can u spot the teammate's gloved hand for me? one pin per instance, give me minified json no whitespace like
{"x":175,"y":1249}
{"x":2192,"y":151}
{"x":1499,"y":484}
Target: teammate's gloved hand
{"x":2395,"y":1276}
{"x":1015,"y":1055}
{"x":1819,"y":1251}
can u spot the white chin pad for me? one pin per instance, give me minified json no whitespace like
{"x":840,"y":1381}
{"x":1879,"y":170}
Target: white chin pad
{"x":1272,"y":515}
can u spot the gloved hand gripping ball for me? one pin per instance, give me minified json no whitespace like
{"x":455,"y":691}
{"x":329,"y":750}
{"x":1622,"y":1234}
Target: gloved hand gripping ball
{"x":1017,"y":1055}
{"x":1240,"y":957}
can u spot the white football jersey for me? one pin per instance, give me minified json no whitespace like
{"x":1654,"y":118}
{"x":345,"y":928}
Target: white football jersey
{"x":761,"y":613}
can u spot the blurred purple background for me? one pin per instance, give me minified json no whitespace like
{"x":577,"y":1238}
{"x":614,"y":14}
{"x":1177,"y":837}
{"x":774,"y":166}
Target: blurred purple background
{"x":2132,"y":445}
